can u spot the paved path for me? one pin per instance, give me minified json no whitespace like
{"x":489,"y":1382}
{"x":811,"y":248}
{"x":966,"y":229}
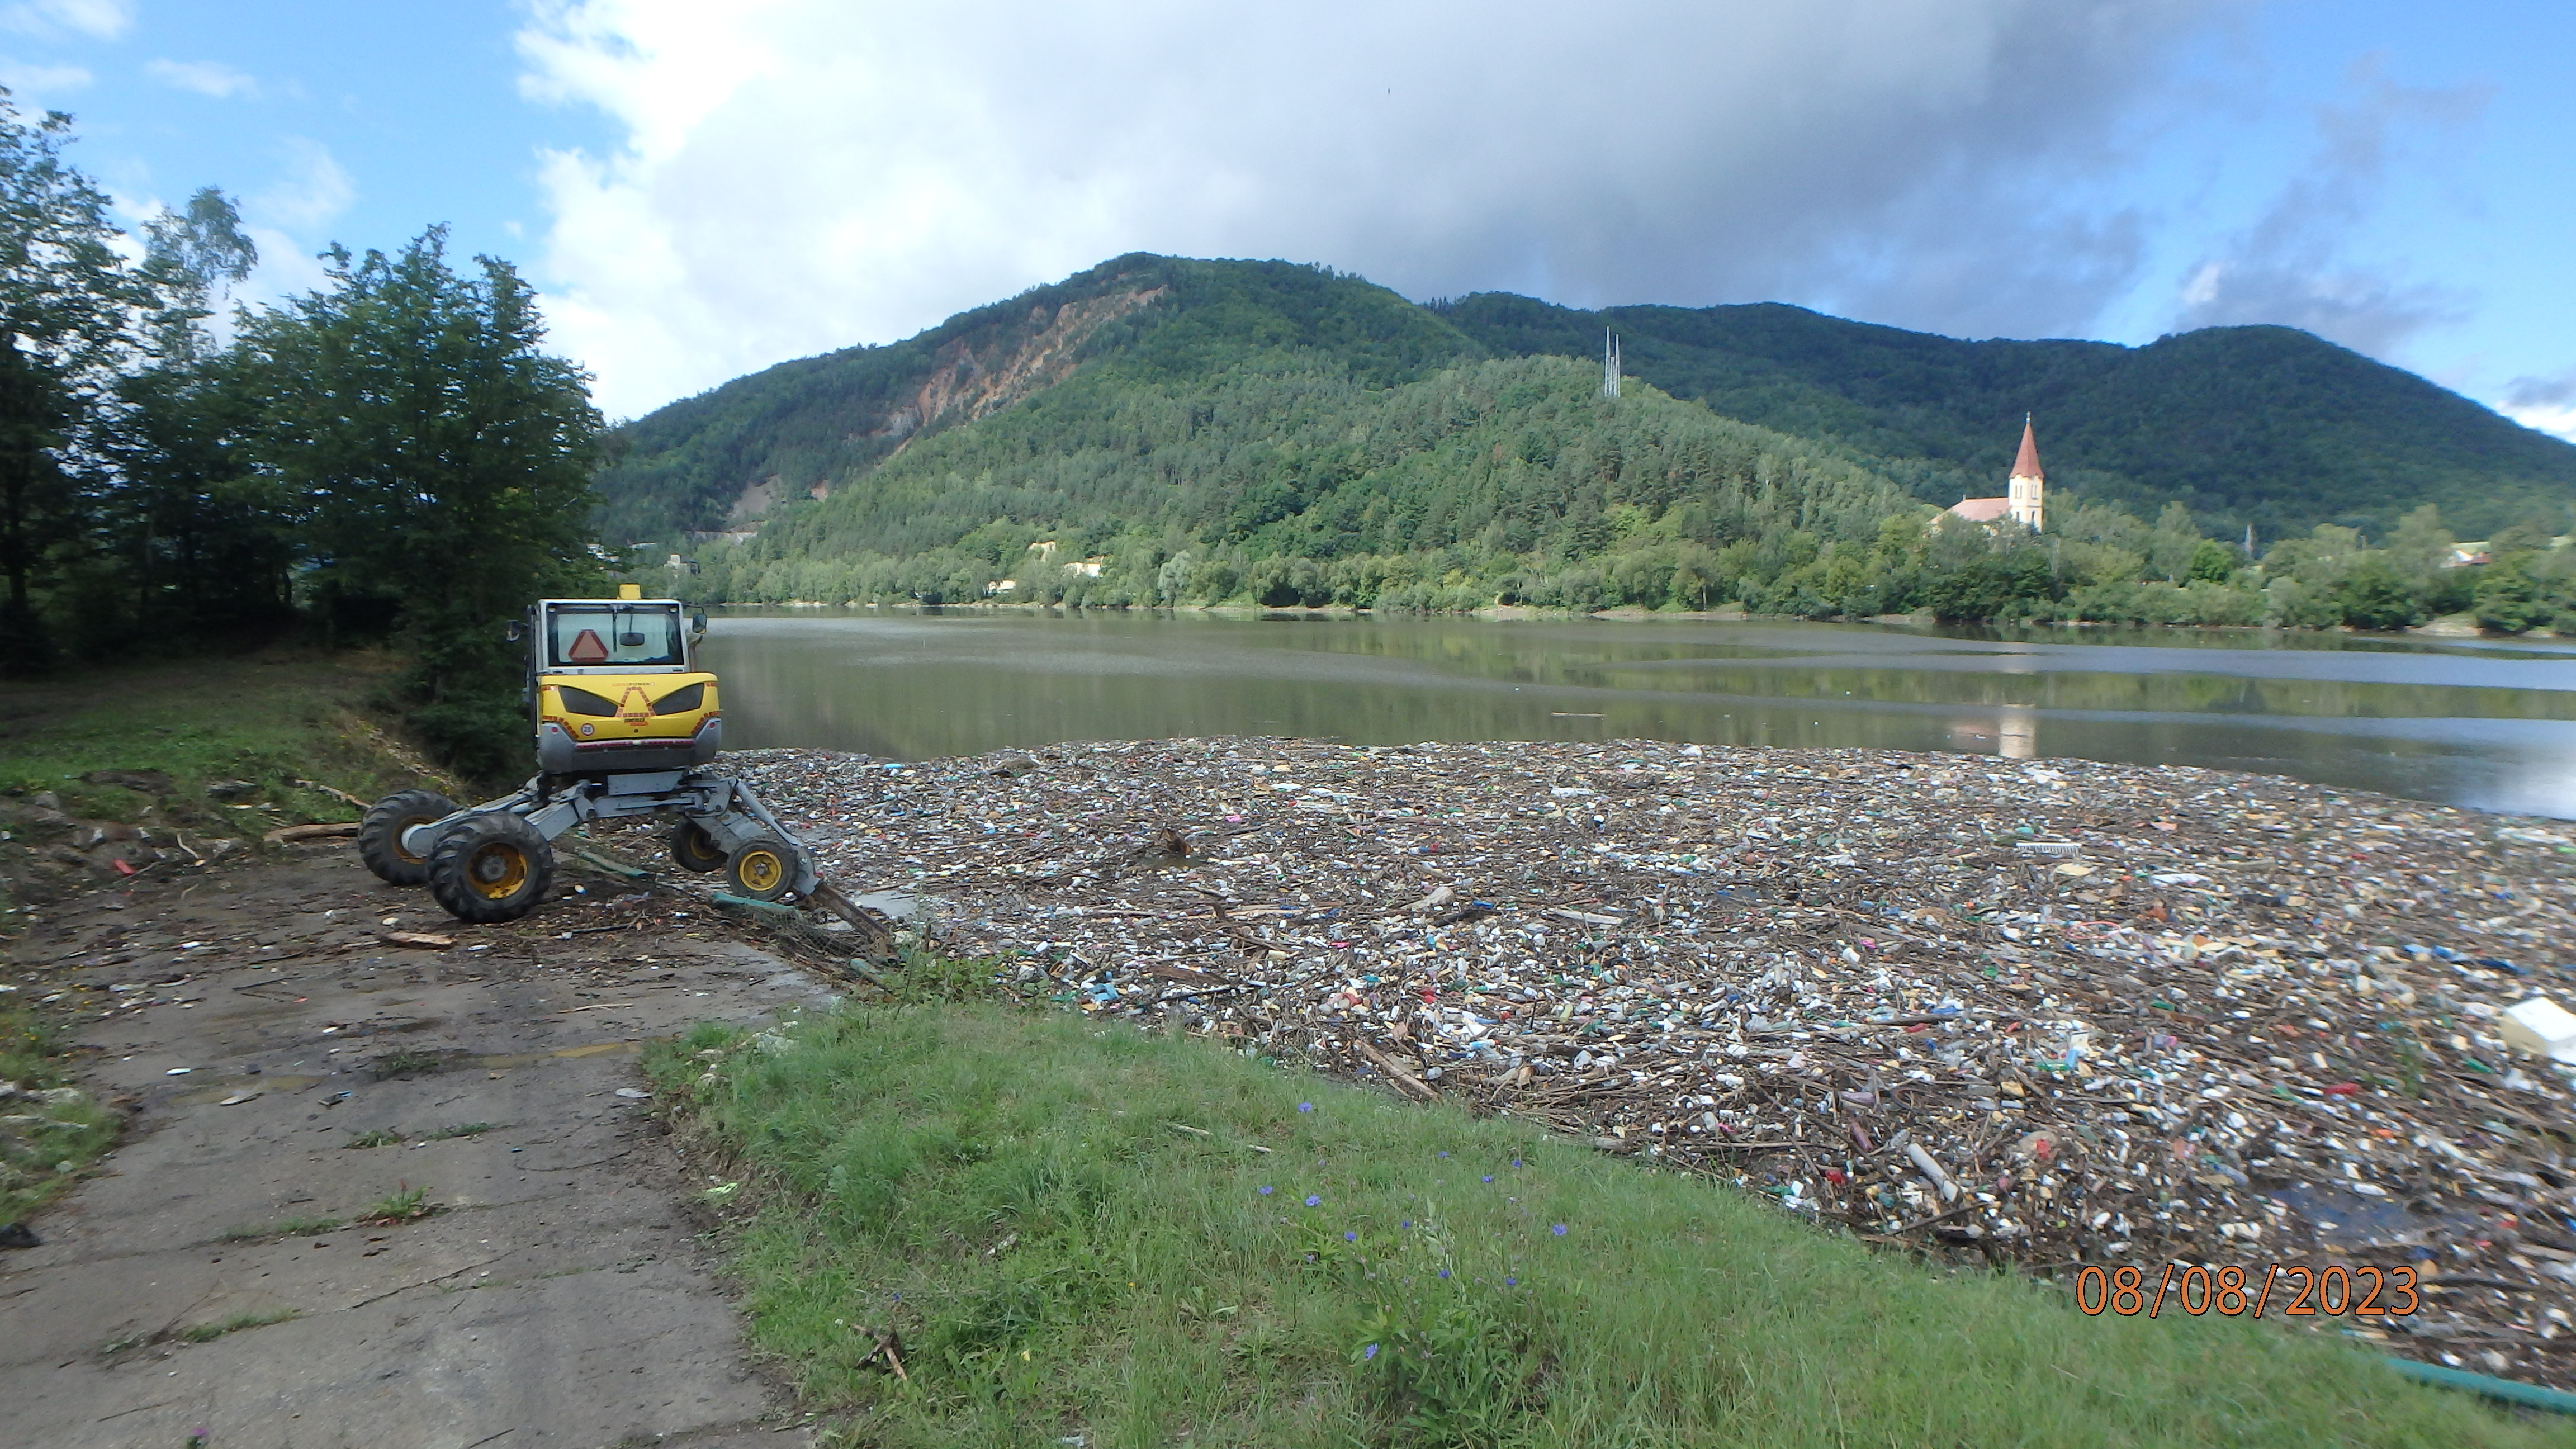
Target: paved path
{"x":560,"y":1295}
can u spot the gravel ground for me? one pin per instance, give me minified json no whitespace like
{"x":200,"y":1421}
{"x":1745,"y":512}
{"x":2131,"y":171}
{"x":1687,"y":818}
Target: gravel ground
{"x":2052,"y":1012}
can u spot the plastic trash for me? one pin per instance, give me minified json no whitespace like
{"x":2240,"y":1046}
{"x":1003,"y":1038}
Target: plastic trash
{"x":2540,"y":1026}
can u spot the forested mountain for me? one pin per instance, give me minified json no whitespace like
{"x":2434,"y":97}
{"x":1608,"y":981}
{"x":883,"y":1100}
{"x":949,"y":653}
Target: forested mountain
{"x":813,"y":424}
{"x":2263,"y":425}
{"x":1159,"y":430}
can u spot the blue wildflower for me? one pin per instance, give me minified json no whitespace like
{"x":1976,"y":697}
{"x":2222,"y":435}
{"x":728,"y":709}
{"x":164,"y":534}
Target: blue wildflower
{"x":1368,"y":1353}
{"x":1489,"y":1177}
{"x":1265,"y":1189}
{"x":1350,"y":1237}
{"x":1511,"y":1282}
{"x":1559,"y":1230}
{"x":1305,"y":1106}
{"x":1313,"y":1201}
{"x":1444,"y":1272}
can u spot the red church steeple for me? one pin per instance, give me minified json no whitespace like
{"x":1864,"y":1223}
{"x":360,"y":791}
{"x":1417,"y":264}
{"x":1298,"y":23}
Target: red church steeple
{"x":2027,"y":465}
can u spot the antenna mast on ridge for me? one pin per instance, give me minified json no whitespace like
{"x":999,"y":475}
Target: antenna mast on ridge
{"x":1609,"y":363}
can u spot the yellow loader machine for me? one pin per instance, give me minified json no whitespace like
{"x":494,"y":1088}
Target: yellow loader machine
{"x":625,"y":726}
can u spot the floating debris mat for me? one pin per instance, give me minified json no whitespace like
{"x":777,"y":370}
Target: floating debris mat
{"x":2055,"y":1012}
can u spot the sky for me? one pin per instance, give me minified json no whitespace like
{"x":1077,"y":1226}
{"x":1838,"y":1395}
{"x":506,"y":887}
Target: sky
{"x":702,"y":189}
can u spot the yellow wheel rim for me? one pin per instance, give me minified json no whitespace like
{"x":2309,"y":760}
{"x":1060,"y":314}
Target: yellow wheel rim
{"x":760,"y":870}
{"x":497,"y":871}
{"x":405,"y":824}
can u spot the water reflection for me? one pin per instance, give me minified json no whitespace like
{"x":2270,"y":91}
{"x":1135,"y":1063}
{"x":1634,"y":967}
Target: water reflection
{"x":2484,"y":723}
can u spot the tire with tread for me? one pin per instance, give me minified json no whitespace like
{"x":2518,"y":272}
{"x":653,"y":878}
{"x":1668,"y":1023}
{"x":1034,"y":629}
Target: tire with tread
{"x":763,"y":869}
{"x":692,"y":848}
{"x":488,"y":868}
{"x":380,"y":833}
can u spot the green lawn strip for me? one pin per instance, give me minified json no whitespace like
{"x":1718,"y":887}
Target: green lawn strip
{"x":270,"y":719}
{"x":1066,"y":1225}
{"x":43,"y":1144}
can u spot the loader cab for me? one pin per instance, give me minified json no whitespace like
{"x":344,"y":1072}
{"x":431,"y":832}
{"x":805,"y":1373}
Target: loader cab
{"x":583,"y":636}
{"x":613,"y":686}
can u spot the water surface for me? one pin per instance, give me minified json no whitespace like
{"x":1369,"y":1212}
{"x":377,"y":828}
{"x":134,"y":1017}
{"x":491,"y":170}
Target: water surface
{"x":2484,"y":723}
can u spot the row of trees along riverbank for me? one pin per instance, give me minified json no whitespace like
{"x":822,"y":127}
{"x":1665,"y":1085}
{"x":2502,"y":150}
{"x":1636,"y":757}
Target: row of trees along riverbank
{"x":2098,"y":563}
{"x":388,"y":458}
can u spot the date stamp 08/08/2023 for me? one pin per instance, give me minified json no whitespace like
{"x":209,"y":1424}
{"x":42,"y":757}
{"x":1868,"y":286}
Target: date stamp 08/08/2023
{"x":2295,"y":1289}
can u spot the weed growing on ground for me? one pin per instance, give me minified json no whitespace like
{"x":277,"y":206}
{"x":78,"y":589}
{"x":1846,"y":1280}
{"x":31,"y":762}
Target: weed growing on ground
{"x":402,"y":1206}
{"x":208,"y":1332}
{"x":461,"y":1129}
{"x":289,"y":1228}
{"x":1083,"y":1231}
{"x":42,"y":1155}
{"x":381,"y":1137}
{"x":409,"y":1062}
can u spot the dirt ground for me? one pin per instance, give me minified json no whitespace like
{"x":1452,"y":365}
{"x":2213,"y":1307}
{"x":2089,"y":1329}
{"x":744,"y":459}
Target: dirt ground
{"x":216,"y":1274}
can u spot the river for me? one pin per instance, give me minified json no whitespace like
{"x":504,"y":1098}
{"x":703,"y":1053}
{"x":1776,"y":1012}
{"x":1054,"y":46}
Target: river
{"x":2489,"y":724}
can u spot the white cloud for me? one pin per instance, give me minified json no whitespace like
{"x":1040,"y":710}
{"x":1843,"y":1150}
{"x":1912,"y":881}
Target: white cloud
{"x":2546,"y":403}
{"x":34,"y":87}
{"x":96,"y":19}
{"x":311,"y":192}
{"x":797,"y":175}
{"x":2290,"y":266}
{"x":205,"y":77}
{"x":2560,"y":421}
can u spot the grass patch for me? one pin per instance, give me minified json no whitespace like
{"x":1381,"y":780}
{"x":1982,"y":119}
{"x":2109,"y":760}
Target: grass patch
{"x":288,"y":1228}
{"x":409,"y":1062}
{"x":209,"y":1332}
{"x":1072,"y":1230}
{"x":45,"y":1143}
{"x":402,"y":1206}
{"x":280,"y":730}
{"x":274,"y":719}
{"x":387,"y":1136}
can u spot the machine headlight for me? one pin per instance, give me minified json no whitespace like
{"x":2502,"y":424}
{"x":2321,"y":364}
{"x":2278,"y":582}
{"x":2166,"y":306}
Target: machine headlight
{"x":681,"y":701}
{"x":582,"y":701}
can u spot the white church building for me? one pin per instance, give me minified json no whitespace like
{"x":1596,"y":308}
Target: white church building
{"x":2023,"y":500}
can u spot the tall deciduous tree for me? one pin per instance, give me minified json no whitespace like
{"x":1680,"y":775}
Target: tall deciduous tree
{"x":443,"y":461}
{"x":203,"y":542}
{"x":69,"y":310}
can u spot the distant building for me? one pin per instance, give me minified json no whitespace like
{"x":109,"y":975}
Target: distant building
{"x":2024,"y":499}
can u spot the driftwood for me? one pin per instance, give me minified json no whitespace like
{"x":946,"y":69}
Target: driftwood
{"x":287,"y":835}
{"x":1413,"y":1086}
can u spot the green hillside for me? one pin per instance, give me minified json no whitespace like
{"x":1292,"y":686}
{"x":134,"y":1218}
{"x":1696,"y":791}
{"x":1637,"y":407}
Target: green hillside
{"x":2262,"y":425}
{"x":1291,"y":478}
{"x":824,"y":420}
{"x":1164,"y":431}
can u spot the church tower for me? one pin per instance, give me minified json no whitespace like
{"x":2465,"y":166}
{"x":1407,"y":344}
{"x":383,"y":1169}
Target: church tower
{"x":2024,"y":493}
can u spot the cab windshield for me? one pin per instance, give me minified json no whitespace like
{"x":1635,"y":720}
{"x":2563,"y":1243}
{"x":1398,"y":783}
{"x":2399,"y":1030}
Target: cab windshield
{"x":591,"y":635}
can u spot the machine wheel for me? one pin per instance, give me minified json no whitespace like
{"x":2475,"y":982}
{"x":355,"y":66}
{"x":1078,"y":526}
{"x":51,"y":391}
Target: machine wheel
{"x":764,"y":869}
{"x":491,"y":868}
{"x":692,"y":848}
{"x":380,"y":833}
